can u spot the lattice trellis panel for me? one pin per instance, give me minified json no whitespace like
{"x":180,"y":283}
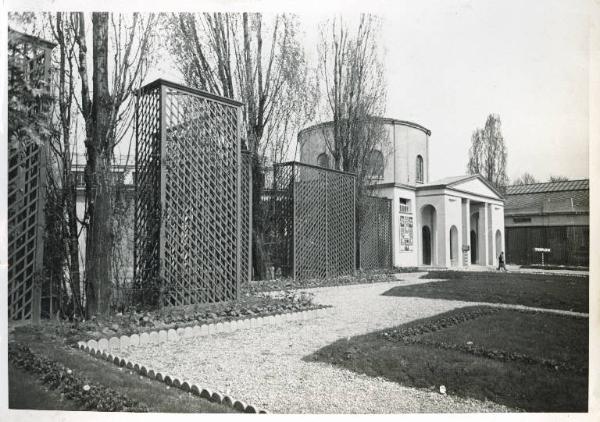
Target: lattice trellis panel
{"x":375,"y":233}
{"x":25,"y":231}
{"x":194,"y":195}
{"x":246,"y":222}
{"x":29,"y":60}
{"x":311,"y":248}
{"x":309,"y":221}
{"x":340,"y":225}
{"x":147,"y":218}
{"x":278,"y":212}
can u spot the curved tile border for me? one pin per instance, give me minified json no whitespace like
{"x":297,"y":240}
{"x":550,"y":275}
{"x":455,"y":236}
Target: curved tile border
{"x":169,"y":380}
{"x":118,"y":343}
{"x":106,"y":349}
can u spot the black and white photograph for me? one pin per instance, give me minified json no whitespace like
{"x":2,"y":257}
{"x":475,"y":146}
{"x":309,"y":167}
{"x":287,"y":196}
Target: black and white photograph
{"x":300,"y":208}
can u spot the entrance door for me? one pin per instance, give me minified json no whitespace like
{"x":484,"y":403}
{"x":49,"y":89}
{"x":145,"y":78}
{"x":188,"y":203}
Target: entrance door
{"x":473,"y":247}
{"x":426,"y":246}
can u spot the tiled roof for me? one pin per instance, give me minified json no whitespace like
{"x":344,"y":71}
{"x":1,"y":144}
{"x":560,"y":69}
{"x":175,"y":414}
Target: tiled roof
{"x":565,"y":201}
{"x":569,"y":185}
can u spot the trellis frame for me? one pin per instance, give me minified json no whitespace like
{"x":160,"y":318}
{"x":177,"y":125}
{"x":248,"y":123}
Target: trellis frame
{"x":26,"y":191}
{"x":375,"y":234}
{"x":188,"y":195}
{"x":310,"y":226}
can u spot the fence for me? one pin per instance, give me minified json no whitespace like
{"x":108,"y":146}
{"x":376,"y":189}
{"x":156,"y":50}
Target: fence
{"x":29,"y":61}
{"x":309,"y":221}
{"x":375,"y":222}
{"x":189,"y":235}
{"x":570,"y":245}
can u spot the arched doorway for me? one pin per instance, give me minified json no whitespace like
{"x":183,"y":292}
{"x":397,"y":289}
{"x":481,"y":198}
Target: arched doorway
{"x":499,"y":244}
{"x":454,"y":254}
{"x":473,"y":247}
{"x":426,"y":242}
{"x":428,"y":235}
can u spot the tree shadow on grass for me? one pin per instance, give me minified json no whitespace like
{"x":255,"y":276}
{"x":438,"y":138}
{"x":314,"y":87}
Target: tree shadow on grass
{"x":536,"y":290}
{"x":523,"y":368}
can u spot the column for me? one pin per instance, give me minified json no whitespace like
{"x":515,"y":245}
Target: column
{"x":482,"y":235}
{"x":491,"y":237}
{"x":466,"y":232}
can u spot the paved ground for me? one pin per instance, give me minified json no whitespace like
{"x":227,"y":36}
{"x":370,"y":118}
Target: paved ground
{"x":263,"y":366}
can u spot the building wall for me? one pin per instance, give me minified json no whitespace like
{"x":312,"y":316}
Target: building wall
{"x":399,"y":150}
{"x":453,"y":217}
{"x":403,"y":254}
{"x":438,"y":233}
{"x":313,"y":142}
{"x":498,"y":225}
{"x":451,"y":210}
{"x":569,"y":245}
{"x":548,"y":220}
{"x":409,"y":142}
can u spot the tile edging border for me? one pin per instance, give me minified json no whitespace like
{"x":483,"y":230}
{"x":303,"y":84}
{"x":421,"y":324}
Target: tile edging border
{"x":102,"y":349}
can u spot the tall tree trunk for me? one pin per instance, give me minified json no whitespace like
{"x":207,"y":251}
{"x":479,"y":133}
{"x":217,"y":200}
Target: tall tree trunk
{"x":99,"y":152}
{"x":69,"y":196}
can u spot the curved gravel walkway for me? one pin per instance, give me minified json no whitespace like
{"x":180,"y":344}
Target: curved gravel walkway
{"x":263,"y":366}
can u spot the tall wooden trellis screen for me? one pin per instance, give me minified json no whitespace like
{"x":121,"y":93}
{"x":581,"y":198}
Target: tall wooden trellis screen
{"x":309,"y":221}
{"x":191,"y":243}
{"x":26,"y":183}
{"x":375,"y":234}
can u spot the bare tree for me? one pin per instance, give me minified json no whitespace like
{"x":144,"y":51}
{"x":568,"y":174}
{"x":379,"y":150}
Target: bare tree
{"x":107,"y":113}
{"x":487,"y":155}
{"x":351,"y":69}
{"x":524,"y":179}
{"x":259,"y":61}
{"x":63,"y":35}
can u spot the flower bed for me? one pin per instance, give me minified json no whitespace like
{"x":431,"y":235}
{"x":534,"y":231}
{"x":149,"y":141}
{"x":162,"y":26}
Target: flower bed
{"x":90,"y":395}
{"x":251,"y":305}
{"x":413,"y":335}
{"x":288,"y":284}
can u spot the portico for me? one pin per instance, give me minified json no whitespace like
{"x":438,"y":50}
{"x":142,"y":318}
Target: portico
{"x":460,"y":222}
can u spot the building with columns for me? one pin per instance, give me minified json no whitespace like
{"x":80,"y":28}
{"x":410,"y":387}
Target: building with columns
{"x":451,"y":222}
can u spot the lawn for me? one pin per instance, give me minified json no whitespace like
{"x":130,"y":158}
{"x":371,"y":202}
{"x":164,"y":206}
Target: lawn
{"x":528,"y":361}
{"x":536,"y":290}
{"x":152,"y":394}
{"x":27,"y":392}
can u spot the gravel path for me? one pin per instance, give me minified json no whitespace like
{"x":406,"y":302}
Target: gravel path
{"x":263,"y":366}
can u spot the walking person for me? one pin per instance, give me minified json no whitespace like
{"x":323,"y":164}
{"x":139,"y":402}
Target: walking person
{"x":501,"y":262}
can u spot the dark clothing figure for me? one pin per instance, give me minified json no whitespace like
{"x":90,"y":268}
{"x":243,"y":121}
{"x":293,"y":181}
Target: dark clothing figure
{"x":501,"y":262}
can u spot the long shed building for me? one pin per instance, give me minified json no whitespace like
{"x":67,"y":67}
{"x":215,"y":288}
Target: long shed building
{"x":555,"y":216}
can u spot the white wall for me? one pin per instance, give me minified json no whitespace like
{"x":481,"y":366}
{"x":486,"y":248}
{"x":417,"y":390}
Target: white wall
{"x":410,"y":142}
{"x":400,"y":257}
{"x":476,"y":187}
{"x":452,"y":217}
{"x":439,"y":236}
{"x":498,"y":224}
{"x":399,"y":151}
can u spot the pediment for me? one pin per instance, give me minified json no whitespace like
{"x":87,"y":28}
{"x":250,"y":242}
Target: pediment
{"x":476,"y":186}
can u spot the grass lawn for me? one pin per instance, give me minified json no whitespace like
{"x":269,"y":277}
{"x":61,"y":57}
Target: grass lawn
{"x":536,"y":290}
{"x":506,"y":356}
{"x":153,"y":394}
{"x":27,"y":392}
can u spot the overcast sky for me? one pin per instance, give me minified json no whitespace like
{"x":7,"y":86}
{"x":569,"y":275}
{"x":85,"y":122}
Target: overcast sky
{"x":451,"y":63}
